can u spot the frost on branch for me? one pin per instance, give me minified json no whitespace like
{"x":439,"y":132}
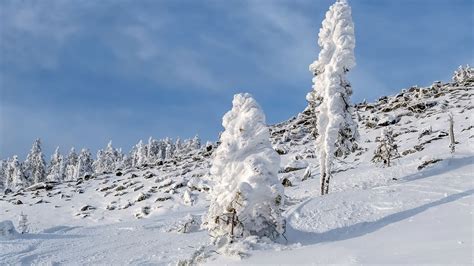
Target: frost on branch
{"x":246,"y":195}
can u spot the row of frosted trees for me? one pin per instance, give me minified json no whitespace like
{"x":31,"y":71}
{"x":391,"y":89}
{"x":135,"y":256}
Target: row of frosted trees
{"x":15,"y":174}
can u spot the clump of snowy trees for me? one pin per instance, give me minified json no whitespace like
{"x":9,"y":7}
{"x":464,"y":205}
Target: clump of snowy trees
{"x":247,"y":194}
{"x":330,"y":97}
{"x":15,"y":174}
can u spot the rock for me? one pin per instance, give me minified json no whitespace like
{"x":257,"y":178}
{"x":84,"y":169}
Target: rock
{"x":148,"y":175}
{"x":163,"y":198}
{"x":142,"y":196}
{"x":41,"y":201}
{"x":138,"y":188}
{"x":119,"y":188}
{"x":87,"y":208}
{"x":281,"y":149}
{"x":7,"y":191}
{"x":387,"y":120}
{"x":428,"y":162}
{"x":119,"y":173}
{"x":295,"y":165}
{"x":286,"y":182}
{"x":306,"y":174}
{"x":146,"y":210}
{"x":42,"y":185}
{"x":107,"y":188}
{"x":18,"y":202}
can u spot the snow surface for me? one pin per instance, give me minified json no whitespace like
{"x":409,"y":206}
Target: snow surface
{"x":418,"y":211}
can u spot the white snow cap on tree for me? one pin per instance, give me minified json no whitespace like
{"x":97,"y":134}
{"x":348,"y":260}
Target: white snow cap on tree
{"x":244,"y":171}
{"x":331,"y":93}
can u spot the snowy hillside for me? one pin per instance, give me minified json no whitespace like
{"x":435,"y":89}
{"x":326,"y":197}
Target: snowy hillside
{"x":419,"y":210}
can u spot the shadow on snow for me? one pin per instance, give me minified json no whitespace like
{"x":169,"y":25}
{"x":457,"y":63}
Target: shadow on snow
{"x":362,"y":228}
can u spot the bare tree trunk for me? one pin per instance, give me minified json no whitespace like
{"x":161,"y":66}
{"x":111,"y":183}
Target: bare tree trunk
{"x":232,"y":225}
{"x":451,"y":133}
{"x":323,"y":183}
{"x":326,"y":188}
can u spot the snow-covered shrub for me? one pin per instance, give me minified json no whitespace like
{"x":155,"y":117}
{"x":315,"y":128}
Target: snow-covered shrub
{"x":188,"y":198}
{"x":246,"y":194}
{"x":23,"y":223}
{"x":463,"y":74}
{"x":331,"y":93}
{"x":387,"y":148}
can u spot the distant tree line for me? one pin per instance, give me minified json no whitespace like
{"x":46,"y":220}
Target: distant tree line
{"x":15,"y":174}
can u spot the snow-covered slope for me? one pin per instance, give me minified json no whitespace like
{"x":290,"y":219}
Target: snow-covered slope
{"x":417,"y":211}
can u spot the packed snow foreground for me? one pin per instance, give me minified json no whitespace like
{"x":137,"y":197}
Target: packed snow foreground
{"x":400,"y":172}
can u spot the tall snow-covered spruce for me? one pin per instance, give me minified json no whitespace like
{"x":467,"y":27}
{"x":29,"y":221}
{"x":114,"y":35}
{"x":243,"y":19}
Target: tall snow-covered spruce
{"x":35,"y":165}
{"x":56,"y":167}
{"x":246,"y":195}
{"x":330,"y":97}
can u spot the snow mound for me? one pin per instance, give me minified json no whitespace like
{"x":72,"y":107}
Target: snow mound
{"x":7,"y":230}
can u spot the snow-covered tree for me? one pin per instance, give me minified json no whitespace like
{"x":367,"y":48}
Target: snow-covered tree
{"x":107,"y":160}
{"x":463,"y":74}
{"x":169,"y":150}
{"x":84,"y":164}
{"x":330,"y":97}
{"x":71,"y":165}
{"x":196,"y":143}
{"x":247,"y":194}
{"x":17,"y":177}
{"x":178,"y":145}
{"x":3,"y":173}
{"x":153,"y":150}
{"x":387,"y":148}
{"x":23,"y":223}
{"x":56,"y":167}
{"x":35,"y":167}
{"x":140,"y":156}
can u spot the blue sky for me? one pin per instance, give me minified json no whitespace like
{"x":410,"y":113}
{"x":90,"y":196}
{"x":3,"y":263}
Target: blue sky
{"x":79,"y":73}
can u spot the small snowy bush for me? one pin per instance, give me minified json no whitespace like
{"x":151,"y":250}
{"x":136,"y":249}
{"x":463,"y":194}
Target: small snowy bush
{"x":387,"y":148}
{"x":246,"y":195}
{"x":23,"y":223}
{"x":463,"y":74}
